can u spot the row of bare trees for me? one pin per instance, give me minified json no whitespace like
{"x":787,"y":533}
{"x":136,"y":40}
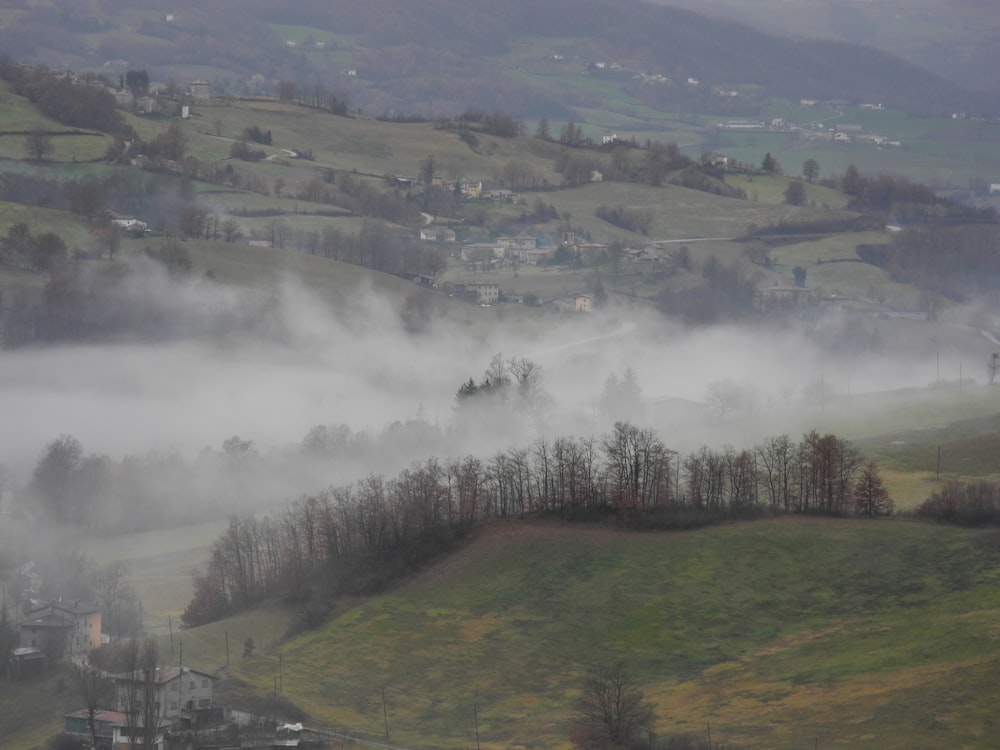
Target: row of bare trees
{"x":360,"y":537}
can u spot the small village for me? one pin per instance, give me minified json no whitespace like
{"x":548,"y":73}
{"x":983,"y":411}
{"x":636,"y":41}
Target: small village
{"x":157,"y":707}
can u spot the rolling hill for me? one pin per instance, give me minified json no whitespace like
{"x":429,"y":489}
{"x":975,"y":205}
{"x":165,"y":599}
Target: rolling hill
{"x":774,"y":633}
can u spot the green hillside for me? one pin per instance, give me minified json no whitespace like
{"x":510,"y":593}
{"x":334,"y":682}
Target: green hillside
{"x":868,"y":635}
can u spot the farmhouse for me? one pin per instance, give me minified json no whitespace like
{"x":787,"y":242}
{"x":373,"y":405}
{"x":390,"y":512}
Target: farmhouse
{"x":575,"y":303}
{"x":480,"y":292}
{"x":471,"y":190}
{"x":62,"y":629}
{"x":437,"y":234}
{"x":183,"y":693}
{"x":201,"y":91}
{"x":130,"y":225}
{"x":715,"y":160}
{"x":518,"y":243}
{"x":784,"y":297}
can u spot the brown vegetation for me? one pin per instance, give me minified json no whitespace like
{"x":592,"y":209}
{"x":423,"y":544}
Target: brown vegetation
{"x":360,"y":538}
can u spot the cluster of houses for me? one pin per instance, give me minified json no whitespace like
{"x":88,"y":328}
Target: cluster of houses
{"x":487,"y":293}
{"x":182,"y":697}
{"x":198,"y":91}
{"x":468,"y":189}
{"x":814,"y":131}
{"x":525,"y":249}
{"x":845,"y":133}
{"x":597,"y":66}
{"x":522,"y":249}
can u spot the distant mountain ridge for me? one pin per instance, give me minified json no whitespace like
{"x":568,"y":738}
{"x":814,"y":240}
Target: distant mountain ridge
{"x":457,"y":53}
{"x":959,"y":39}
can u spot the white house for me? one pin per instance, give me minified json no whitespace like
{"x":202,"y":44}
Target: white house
{"x":129,"y":224}
{"x":181,"y":693}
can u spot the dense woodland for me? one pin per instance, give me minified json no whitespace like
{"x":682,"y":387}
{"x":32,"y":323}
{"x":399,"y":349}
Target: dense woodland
{"x":969,"y":268}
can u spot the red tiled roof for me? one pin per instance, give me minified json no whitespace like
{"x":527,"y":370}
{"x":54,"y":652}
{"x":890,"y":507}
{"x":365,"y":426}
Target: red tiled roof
{"x":100,"y":714}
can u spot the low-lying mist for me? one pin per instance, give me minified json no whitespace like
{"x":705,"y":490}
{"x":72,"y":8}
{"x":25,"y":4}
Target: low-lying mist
{"x":357,"y":370}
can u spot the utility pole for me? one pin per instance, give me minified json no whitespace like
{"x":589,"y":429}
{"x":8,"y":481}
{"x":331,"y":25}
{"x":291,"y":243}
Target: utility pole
{"x":385,"y":714}
{"x":227,"y":647}
{"x":475,"y":714}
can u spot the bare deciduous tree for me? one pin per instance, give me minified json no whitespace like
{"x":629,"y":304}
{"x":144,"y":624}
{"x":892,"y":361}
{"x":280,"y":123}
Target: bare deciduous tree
{"x":95,"y":691}
{"x":112,"y":587}
{"x":38,"y":144}
{"x":231,"y":230}
{"x":612,"y":712}
{"x":138,"y":695}
{"x":810,"y":169}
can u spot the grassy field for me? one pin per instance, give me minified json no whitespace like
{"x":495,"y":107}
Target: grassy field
{"x":774,"y":632}
{"x":159,"y":565}
{"x":40,"y":220}
{"x":361,"y":144}
{"x":771,"y":189}
{"x":679,"y":213}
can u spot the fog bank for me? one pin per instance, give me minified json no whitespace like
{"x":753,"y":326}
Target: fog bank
{"x":360,"y":367}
